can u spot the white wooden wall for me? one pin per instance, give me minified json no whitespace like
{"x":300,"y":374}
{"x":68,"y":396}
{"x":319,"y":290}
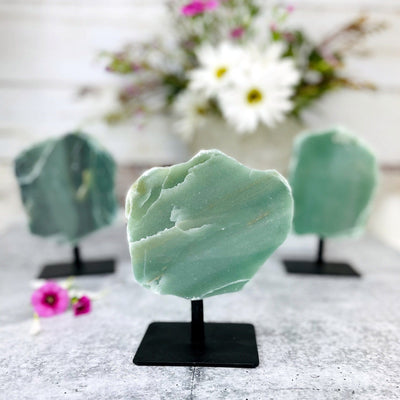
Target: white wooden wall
{"x":48,"y":50}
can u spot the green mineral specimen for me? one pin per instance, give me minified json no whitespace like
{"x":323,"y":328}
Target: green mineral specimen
{"x":205,"y":227}
{"x":333,"y":177}
{"x":67,"y":186}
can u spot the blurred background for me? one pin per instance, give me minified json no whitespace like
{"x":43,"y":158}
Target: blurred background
{"x":50,"y":50}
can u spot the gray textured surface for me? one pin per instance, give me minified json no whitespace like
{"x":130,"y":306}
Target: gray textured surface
{"x":318,"y":338}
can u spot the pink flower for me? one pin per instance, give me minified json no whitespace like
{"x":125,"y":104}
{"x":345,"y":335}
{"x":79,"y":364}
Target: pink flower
{"x":50,"y":299}
{"x":290,"y":8}
{"x":289,"y":37}
{"x":273,"y":27}
{"x":82,"y":306}
{"x":135,"y":67}
{"x":330,"y":58}
{"x":196,"y":7}
{"x":210,"y":5}
{"x":237,"y":32}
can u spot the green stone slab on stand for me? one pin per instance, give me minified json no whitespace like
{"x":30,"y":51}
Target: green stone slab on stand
{"x":67,"y":188}
{"x":200,"y":229}
{"x":333,"y":177}
{"x":205,"y":227}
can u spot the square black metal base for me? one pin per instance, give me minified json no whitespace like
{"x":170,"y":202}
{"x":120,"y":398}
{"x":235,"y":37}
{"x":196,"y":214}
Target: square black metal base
{"x":326,"y":268}
{"x":226,"y":345}
{"x":68,"y":269}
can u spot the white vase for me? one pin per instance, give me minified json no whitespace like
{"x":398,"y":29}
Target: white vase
{"x":267,"y":148}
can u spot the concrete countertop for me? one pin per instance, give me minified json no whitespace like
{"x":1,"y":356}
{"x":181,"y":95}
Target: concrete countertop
{"x":318,"y":337}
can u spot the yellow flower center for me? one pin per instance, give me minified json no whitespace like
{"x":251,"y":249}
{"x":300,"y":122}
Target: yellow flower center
{"x":220,"y":72}
{"x":50,"y":299}
{"x":254,"y":96}
{"x":201,"y":110}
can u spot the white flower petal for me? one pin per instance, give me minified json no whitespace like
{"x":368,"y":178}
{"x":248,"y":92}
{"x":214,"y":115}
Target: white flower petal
{"x":35,"y":328}
{"x":224,"y":58}
{"x":186,"y":108}
{"x":275,"y":86}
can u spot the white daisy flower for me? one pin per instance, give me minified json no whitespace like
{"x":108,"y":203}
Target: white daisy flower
{"x":265,"y":54}
{"x":260,"y":96}
{"x":190,"y":108}
{"x":271,"y":59}
{"x":216,"y":66}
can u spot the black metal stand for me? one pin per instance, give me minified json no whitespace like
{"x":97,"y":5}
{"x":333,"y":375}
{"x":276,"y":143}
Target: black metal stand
{"x":77,"y":267}
{"x":320,"y":266}
{"x":197,"y":325}
{"x":197,"y":343}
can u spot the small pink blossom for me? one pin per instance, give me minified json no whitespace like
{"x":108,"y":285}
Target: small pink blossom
{"x":136,"y":67}
{"x":196,"y":7}
{"x":50,"y":299}
{"x":237,"y":33}
{"x":289,"y":37}
{"x":210,"y":5}
{"x":330,"y":58}
{"x":131,"y":91}
{"x":82,"y":306}
{"x":290,"y":8}
{"x":273,"y":27}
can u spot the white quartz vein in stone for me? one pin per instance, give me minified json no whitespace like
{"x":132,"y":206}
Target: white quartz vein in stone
{"x":163,"y":189}
{"x":225,"y":286}
{"x":167,"y":230}
{"x":37,"y":168}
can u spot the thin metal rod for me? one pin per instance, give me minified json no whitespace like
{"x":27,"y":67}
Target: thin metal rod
{"x":197,"y":325}
{"x":77,"y":261}
{"x":320,"y":257}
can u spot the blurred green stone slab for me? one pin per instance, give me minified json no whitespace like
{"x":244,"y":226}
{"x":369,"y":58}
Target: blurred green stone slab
{"x":67,"y":186}
{"x":333,"y":177}
{"x":205,"y":227}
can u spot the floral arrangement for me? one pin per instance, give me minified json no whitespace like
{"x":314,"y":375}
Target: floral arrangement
{"x":237,"y":59}
{"x":50,"y":299}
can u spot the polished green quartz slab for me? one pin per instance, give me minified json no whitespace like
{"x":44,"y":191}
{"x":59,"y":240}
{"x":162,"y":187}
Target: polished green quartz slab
{"x":67,"y":186}
{"x":333,"y":177}
{"x":205,"y":227}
